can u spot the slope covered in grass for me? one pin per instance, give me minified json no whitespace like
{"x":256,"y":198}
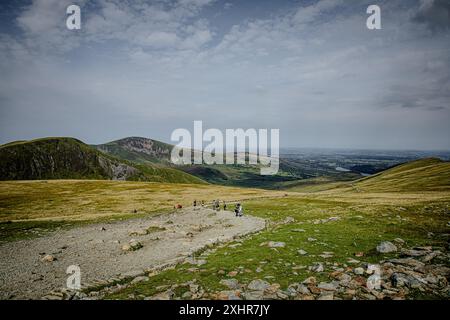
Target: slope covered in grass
{"x":429,"y":174}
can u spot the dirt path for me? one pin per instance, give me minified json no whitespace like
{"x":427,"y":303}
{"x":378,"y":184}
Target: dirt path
{"x":97,"y":249}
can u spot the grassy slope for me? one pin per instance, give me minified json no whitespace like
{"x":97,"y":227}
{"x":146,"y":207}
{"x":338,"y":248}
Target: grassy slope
{"x":421,"y":175}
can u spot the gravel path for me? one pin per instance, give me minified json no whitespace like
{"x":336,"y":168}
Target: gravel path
{"x":97,"y":249}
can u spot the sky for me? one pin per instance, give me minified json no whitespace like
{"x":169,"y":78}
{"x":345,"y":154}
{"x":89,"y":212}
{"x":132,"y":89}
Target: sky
{"x":311,"y":69}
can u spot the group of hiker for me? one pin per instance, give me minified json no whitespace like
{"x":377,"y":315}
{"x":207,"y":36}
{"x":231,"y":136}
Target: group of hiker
{"x":238,"y":210}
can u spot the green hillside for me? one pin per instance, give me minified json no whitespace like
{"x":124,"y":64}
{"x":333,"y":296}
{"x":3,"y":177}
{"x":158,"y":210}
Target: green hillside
{"x":429,"y":174}
{"x":69,"y":158}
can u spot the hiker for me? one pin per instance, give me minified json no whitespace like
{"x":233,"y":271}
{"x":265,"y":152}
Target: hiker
{"x":195,"y":203}
{"x":224,"y":206}
{"x":203,"y":203}
{"x":217,"y":205}
{"x":238,"y":211}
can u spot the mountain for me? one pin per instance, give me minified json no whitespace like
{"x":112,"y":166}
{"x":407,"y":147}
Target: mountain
{"x":430,"y":174}
{"x":138,"y":150}
{"x":69,"y":158}
{"x":148,"y":151}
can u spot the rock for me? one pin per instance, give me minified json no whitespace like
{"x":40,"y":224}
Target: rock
{"x":274,"y":244}
{"x":358,"y":271}
{"x":431,"y":256}
{"x":167,"y":295}
{"x":326,"y":255}
{"x":281,"y":295}
{"x":310,"y":280}
{"x":302,"y":252}
{"x":126,"y":247}
{"x":193,"y":288}
{"x":139,"y":279}
{"x":312,"y":239}
{"x":232,"y":273}
{"x":352,"y":261}
{"x":141,"y":232}
{"x":102,"y":229}
{"x":228,"y":295}
{"x":288,"y":220}
{"x":254,"y":295}
{"x":344,"y":278}
{"x":48,"y":258}
{"x":326,"y":296}
{"x":386,"y":247}
{"x":194,"y":261}
{"x":186,"y":295}
{"x":272,"y":289}
{"x":259,"y":269}
{"x":399,"y":241}
{"x":410,"y":262}
{"x":359,"y":254}
{"x":414,"y":253}
{"x":258,"y":285}
{"x":328,"y":286}
{"x":230,"y":283}
{"x":317,"y":267}
{"x":302,"y":289}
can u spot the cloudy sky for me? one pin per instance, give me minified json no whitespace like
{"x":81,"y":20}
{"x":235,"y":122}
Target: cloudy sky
{"x":310,"y":68}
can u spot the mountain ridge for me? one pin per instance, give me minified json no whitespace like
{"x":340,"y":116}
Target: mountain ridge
{"x":70,"y":158}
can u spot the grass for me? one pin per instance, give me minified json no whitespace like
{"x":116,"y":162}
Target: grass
{"x":55,"y":203}
{"x":359,"y":229}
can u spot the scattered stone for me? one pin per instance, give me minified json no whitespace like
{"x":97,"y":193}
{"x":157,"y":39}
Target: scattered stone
{"x":352,"y":261}
{"x":431,"y":256}
{"x":228,"y":295}
{"x":48,"y":258}
{"x":230,"y":283}
{"x":139,"y":279}
{"x":317,"y":267}
{"x":358,"y":271}
{"x":232,"y":273}
{"x":386,"y":247}
{"x":399,"y":241}
{"x":302,"y":252}
{"x":141,"y":232}
{"x":310,"y":280}
{"x":132,"y":246}
{"x":274,"y":244}
{"x":258,"y":285}
{"x":328,"y":286}
{"x":326,"y":296}
{"x":326,"y":255}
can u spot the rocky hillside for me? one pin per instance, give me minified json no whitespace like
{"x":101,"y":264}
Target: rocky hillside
{"x":68,"y":158}
{"x":138,"y":150}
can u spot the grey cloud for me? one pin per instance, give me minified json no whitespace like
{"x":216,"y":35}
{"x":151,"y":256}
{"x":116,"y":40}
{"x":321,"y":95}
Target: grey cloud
{"x":434,"y":13}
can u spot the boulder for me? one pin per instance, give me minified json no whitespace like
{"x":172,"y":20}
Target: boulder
{"x":258,"y":285}
{"x":386,"y":247}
